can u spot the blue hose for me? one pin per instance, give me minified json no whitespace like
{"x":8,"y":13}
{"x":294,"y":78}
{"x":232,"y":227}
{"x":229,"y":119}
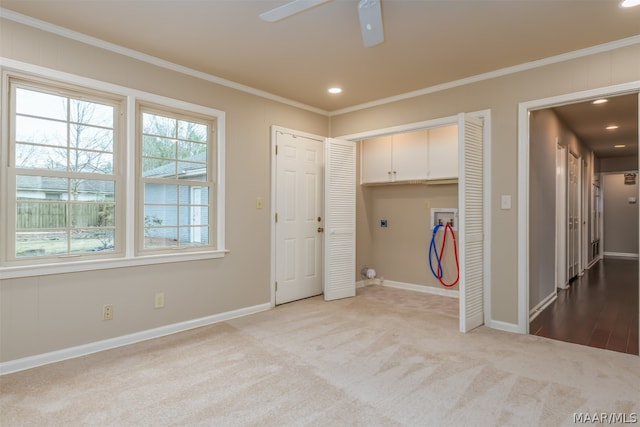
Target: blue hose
{"x":434,"y":250}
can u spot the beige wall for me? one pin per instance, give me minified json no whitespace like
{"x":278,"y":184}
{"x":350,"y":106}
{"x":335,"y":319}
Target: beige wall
{"x":502,"y":96}
{"x":42,"y":314}
{"x":400,"y":251}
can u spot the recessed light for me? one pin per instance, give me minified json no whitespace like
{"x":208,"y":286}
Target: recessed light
{"x":600,"y":101}
{"x":335,"y":90}
{"x":630,"y":3}
{"x":612,"y":127}
{"x":619,"y":146}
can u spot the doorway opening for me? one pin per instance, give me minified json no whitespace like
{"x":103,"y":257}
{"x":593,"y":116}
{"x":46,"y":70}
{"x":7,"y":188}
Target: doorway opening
{"x":564,"y":153}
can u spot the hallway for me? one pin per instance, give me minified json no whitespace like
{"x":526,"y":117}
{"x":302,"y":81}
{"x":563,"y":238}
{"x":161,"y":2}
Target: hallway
{"x":599,"y":309}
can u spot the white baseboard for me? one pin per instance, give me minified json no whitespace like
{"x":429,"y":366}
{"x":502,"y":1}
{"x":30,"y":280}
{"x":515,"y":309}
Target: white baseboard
{"x":535,"y":311}
{"x":94,"y":347}
{"x":422,"y":288}
{"x":502,"y":326}
{"x":620,"y":255}
{"x":368,"y":282}
{"x":594,"y":261}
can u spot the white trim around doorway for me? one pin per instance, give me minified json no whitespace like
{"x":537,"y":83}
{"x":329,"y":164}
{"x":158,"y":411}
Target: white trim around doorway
{"x":523,"y":180}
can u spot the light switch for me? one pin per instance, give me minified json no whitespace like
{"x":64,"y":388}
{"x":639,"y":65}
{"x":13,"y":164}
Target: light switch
{"x":505,"y":201}
{"x":259,"y":203}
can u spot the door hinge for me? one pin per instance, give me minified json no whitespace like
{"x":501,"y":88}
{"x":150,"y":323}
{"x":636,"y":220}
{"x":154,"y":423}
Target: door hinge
{"x":276,"y":150}
{"x":276,"y":286}
{"x":276,"y":216}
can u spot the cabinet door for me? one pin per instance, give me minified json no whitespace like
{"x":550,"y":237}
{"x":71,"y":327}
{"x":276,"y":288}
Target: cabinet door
{"x":376,"y":160}
{"x":443,"y":152}
{"x":410,"y":155}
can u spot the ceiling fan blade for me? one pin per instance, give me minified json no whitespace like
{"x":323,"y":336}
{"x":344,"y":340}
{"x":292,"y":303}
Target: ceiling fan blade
{"x":370,"y":13}
{"x":289,"y":9}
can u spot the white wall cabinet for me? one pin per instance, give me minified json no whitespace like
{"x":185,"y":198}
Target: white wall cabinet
{"x":443,"y":153}
{"x":428,"y":154}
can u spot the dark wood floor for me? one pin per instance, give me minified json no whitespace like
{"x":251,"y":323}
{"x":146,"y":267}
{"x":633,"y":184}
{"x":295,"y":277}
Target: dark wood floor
{"x":599,"y":309}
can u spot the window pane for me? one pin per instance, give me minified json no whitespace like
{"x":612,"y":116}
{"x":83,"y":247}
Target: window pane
{"x":91,"y":138}
{"x":41,"y":157}
{"x":194,"y":195}
{"x":30,"y":244}
{"x":91,"y":162}
{"x":158,"y":168}
{"x":161,"y":194}
{"x":192,"y":151}
{"x":92,"y":190}
{"x":39,"y":187}
{"x":91,"y":113}
{"x":192,"y":131}
{"x":92,"y":215}
{"x":194,"y":236}
{"x":92,"y":240}
{"x":161,"y":215}
{"x":39,"y":215}
{"x":194,"y":215}
{"x":153,"y":146}
{"x":41,"y":131}
{"x":160,"y":237}
{"x":192,"y":171}
{"x":153,"y":124}
{"x":40,"y":104}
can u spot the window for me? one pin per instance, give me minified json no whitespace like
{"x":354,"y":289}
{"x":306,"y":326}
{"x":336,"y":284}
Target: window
{"x":64,"y":180}
{"x":177,"y":184}
{"x":96,"y":176}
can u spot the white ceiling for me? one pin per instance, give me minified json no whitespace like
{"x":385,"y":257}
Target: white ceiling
{"x":427,"y":42}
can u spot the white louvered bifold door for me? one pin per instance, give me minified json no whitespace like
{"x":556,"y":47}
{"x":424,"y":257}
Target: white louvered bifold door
{"x":340,"y":219}
{"x":471,"y":222}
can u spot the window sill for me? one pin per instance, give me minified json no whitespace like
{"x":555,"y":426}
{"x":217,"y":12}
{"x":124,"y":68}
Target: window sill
{"x":77,"y":266}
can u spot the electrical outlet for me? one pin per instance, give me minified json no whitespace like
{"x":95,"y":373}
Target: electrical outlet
{"x":159,"y":301}
{"x":107,"y":312}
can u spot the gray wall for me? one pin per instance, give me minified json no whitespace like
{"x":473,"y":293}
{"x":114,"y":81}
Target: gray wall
{"x":620,"y":231}
{"x":618,"y":164}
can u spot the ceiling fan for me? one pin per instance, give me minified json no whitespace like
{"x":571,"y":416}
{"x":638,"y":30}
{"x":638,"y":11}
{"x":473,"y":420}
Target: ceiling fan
{"x":370,"y":13}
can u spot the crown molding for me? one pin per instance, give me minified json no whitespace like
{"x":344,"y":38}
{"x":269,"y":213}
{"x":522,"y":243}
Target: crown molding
{"x":605,"y":47}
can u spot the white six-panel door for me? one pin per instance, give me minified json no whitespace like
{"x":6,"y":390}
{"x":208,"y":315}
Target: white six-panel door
{"x":299,"y":210}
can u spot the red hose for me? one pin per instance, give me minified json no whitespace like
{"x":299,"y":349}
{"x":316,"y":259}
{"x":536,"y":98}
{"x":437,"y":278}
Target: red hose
{"x":455,"y":250}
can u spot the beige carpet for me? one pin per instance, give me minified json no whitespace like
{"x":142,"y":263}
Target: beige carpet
{"x":387,"y":357}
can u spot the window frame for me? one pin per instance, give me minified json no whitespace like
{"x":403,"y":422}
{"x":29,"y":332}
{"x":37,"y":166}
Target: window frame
{"x":210,"y":182}
{"x":126,"y":158}
{"x":13,"y":171}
